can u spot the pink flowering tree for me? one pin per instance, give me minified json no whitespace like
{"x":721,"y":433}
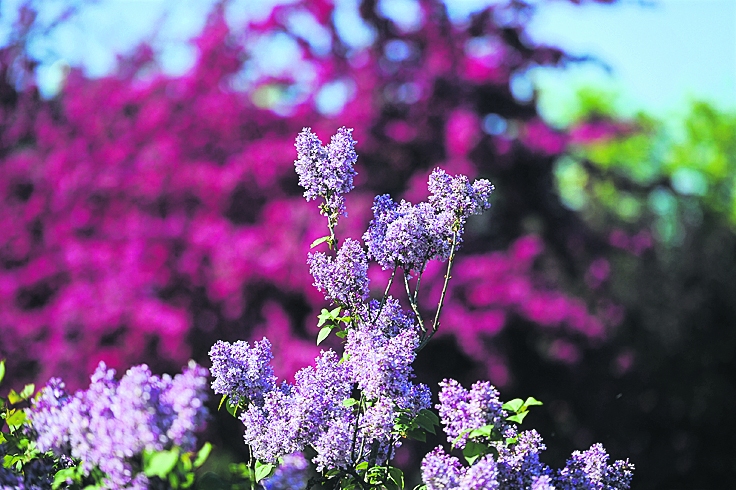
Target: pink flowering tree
{"x":147,"y":216}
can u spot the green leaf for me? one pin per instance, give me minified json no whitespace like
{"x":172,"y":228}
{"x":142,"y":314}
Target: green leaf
{"x":425,"y":422}
{"x":511,"y":440}
{"x":518,"y":418}
{"x":460,"y":436}
{"x":174,"y":481}
{"x":531,"y":401}
{"x":27,"y":391}
{"x":473,"y":451}
{"x":513,"y":405}
{"x":349,"y":402}
{"x":63,"y":476}
{"x":184,"y":464}
{"x":264,"y":470}
{"x":390,"y":485}
{"x":203,"y":454}
{"x":222,"y":400}
{"x":2,"y":370}
{"x":334,"y":313}
{"x":323,"y":316}
{"x":361,"y":466}
{"x":342,"y":334}
{"x":323,"y":333}
{"x":417,"y":434}
{"x":375,"y":475}
{"x":15,"y":418}
{"x":14,"y":397}
{"x":319,"y":240}
{"x":484,"y":431}
{"x":232,"y":408}
{"x":396,"y":475}
{"x":188,"y":480}
{"x":160,"y":463}
{"x":431,"y":415}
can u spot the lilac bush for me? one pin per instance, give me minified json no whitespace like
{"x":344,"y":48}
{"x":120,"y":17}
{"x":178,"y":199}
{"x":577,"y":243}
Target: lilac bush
{"x":120,"y":433}
{"x":353,"y":410}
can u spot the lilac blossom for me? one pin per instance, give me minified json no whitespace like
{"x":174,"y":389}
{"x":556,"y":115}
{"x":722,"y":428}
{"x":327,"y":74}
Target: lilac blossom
{"x":457,"y":197}
{"x":440,"y":471}
{"x":381,"y":365}
{"x":409,"y":235}
{"x":291,"y":473}
{"x":589,"y":470}
{"x":292,"y":417}
{"x":390,"y":317}
{"x":519,"y":464}
{"x":111,"y":423}
{"x":326,"y":172}
{"x":186,"y":404}
{"x":242,"y":372}
{"x":406,"y":235}
{"x":462,"y":410}
{"x":483,"y":475}
{"x":343,"y":279}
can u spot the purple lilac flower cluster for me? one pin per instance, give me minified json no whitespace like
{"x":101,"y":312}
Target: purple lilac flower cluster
{"x":517,"y":465}
{"x":291,"y":474}
{"x":326,"y":172}
{"x":311,"y":412}
{"x":242,"y":372}
{"x":462,"y":410}
{"x":409,"y":235}
{"x":442,"y":471}
{"x":344,"y":279}
{"x":111,"y":423}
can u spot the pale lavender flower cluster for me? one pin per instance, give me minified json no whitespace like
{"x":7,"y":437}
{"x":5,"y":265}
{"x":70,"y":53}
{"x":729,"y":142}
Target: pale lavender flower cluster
{"x":311,"y":412}
{"x":242,"y":372}
{"x":517,"y":465}
{"x":457,"y":197}
{"x":519,"y":468}
{"x":590,"y":470}
{"x":381,"y":364}
{"x":343,"y":279}
{"x":443,"y":471}
{"x":290,"y":475}
{"x":326,"y":172}
{"x":294,"y":416}
{"x":111,"y":423}
{"x":409,"y":235}
{"x":462,"y":410}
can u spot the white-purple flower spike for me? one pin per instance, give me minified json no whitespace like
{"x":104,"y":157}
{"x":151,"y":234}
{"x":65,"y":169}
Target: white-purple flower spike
{"x":326,"y":172}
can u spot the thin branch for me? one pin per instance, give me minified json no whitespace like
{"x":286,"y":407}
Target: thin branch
{"x":436,"y":322}
{"x":413,"y":303}
{"x":385,"y":295}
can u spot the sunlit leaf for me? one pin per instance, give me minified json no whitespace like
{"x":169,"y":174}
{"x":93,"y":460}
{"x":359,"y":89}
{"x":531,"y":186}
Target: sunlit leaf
{"x":264,"y":470}
{"x":203,"y":454}
{"x":319,"y":240}
{"x":160,"y":463}
{"x":323,"y":333}
{"x":513,"y":405}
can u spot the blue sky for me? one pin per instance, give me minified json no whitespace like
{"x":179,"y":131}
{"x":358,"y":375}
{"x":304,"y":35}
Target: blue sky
{"x":662,"y":54}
